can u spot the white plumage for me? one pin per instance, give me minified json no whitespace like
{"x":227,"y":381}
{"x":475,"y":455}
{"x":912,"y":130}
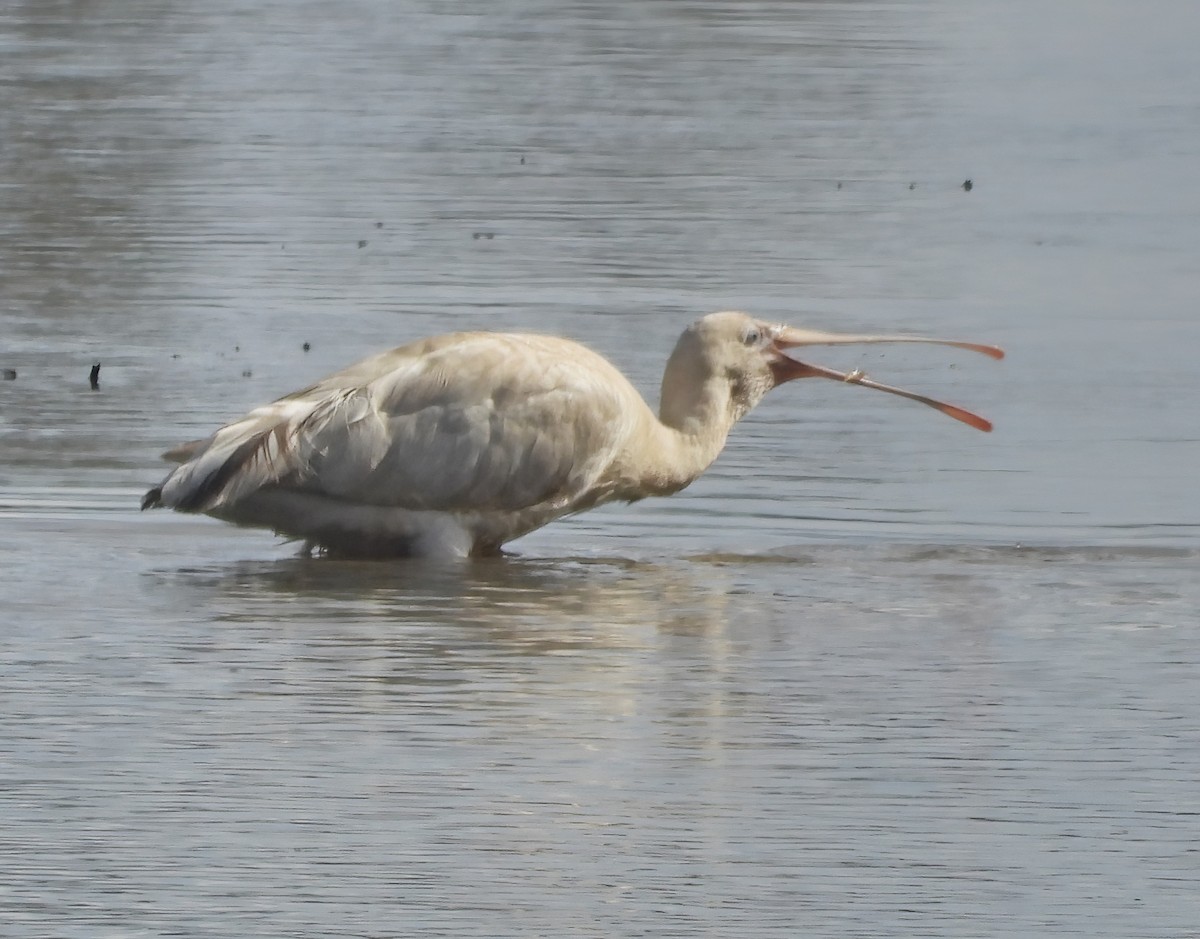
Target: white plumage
{"x":460,"y":443}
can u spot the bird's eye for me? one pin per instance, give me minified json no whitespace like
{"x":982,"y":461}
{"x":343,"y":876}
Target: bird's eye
{"x":752,"y":336}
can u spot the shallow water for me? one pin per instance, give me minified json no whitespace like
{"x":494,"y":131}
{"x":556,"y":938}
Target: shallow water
{"x":876,"y":674}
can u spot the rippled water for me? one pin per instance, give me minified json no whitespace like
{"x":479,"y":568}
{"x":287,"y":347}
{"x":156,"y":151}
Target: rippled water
{"x":874,"y":675}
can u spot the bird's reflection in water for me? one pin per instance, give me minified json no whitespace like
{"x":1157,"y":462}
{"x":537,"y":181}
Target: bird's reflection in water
{"x":586,"y":632}
{"x":487,"y":593}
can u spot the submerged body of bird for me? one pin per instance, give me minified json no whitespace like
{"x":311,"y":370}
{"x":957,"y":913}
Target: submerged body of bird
{"x":458,"y":444}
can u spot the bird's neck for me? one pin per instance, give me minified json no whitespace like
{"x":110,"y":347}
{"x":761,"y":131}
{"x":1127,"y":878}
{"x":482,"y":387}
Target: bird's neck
{"x":682,"y":443}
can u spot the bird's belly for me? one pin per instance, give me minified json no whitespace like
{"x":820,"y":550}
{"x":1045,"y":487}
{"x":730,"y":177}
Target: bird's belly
{"x":351,"y":529}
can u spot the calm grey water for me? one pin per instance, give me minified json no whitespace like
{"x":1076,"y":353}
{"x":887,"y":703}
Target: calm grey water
{"x":875,"y":675}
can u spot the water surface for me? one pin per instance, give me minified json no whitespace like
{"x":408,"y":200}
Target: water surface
{"x":875,"y":674}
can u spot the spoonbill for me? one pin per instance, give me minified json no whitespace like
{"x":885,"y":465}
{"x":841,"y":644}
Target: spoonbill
{"x":458,"y":444}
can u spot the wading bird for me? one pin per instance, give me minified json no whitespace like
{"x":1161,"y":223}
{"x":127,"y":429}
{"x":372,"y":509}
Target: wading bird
{"x":458,"y":444}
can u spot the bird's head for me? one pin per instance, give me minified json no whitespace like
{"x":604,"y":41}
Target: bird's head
{"x":735,"y":358}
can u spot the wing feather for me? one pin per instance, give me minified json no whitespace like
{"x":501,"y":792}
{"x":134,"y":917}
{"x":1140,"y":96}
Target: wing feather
{"x":470,"y":422}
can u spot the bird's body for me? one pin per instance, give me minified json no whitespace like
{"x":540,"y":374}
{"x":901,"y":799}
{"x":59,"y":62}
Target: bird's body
{"x":458,"y":444}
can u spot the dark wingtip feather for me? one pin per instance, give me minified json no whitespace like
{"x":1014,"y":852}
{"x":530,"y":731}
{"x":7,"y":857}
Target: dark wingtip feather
{"x":152,"y":499}
{"x":212,"y":485}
